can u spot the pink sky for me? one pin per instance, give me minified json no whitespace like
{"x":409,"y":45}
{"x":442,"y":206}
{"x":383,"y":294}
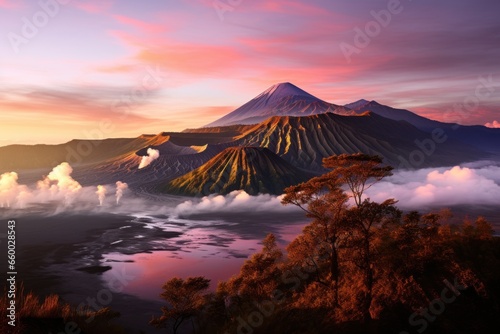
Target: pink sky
{"x":154,"y":66}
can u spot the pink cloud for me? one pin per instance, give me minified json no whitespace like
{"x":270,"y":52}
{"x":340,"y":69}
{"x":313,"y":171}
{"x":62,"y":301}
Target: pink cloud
{"x":177,"y":56}
{"x":78,"y":106}
{"x":141,"y":25}
{"x":305,"y":54}
{"x":495,"y":124}
{"x":440,"y":187}
{"x":448,"y":113}
{"x":9,"y":4}
{"x":120,"y":68}
{"x":289,"y":7}
{"x":272,"y":7}
{"x":192,"y":59}
{"x":203,"y":115}
{"x":93,"y":6}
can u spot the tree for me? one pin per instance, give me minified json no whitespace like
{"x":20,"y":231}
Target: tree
{"x":358,"y":171}
{"x":185,"y":300}
{"x":259,"y":275}
{"x":323,"y":200}
{"x":367,"y":219}
{"x":484,"y":230}
{"x":334,"y":223}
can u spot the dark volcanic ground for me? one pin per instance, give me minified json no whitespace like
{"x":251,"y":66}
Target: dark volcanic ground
{"x":80,"y":256}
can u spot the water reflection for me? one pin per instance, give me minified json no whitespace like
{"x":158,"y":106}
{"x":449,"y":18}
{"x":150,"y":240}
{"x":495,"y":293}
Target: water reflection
{"x":204,"y":250}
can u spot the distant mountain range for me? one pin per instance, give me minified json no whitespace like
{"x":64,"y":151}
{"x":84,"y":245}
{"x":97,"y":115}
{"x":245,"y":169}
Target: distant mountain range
{"x":480,"y":136}
{"x":277,"y":139}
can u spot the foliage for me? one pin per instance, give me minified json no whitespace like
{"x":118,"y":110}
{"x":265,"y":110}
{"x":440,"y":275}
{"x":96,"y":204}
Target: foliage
{"x":53,"y":315}
{"x":185,"y":300}
{"x":362,"y":266}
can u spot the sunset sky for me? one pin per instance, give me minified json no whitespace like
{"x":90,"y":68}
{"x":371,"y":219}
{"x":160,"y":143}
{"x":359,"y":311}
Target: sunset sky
{"x":120,"y":68}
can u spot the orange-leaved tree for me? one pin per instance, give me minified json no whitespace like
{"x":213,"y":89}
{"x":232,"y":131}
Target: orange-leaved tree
{"x":359,"y":172}
{"x":260,"y":274}
{"x":323,"y":200}
{"x":185,"y":300}
{"x":338,"y":225}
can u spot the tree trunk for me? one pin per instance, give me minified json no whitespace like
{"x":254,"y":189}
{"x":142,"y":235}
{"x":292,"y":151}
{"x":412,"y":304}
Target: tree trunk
{"x":368,"y":278}
{"x":335,"y":272}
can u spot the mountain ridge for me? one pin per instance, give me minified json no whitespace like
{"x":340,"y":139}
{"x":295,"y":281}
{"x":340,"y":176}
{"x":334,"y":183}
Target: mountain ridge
{"x":305,"y":141}
{"x":477,"y":135}
{"x":252,"y":169}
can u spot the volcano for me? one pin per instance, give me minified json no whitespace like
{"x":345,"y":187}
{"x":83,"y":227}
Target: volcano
{"x":252,"y":169}
{"x":284,"y":99}
{"x":305,"y":141}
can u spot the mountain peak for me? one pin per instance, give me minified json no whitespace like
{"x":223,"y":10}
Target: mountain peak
{"x":285,"y":89}
{"x":357,"y":104}
{"x":282,"y":99}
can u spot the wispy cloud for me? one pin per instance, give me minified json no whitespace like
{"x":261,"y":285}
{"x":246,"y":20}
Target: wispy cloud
{"x":9,"y":4}
{"x":93,"y":6}
{"x":427,"y":59}
{"x":76,"y":112}
{"x":145,"y":27}
{"x":80,"y":103}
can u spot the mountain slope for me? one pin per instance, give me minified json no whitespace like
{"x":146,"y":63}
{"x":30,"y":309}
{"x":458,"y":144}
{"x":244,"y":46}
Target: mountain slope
{"x":284,"y":99}
{"x":305,"y":141}
{"x":420,"y":122}
{"x":166,"y":167}
{"x":481,"y":137}
{"x":76,"y":152}
{"x":252,"y":169}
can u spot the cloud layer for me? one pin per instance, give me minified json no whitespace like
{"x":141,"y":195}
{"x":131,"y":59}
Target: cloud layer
{"x":58,"y":188}
{"x":67,"y":195}
{"x":236,"y":201}
{"x":471,"y":184}
{"x":426,"y":188}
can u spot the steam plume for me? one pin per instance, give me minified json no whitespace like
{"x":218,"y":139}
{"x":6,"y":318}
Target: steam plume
{"x":120,"y":188}
{"x":59,"y":184}
{"x":152,"y":155}
{"x":101,"y":192}
{"x":59,"y":179}
{"x":8,"y":188}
